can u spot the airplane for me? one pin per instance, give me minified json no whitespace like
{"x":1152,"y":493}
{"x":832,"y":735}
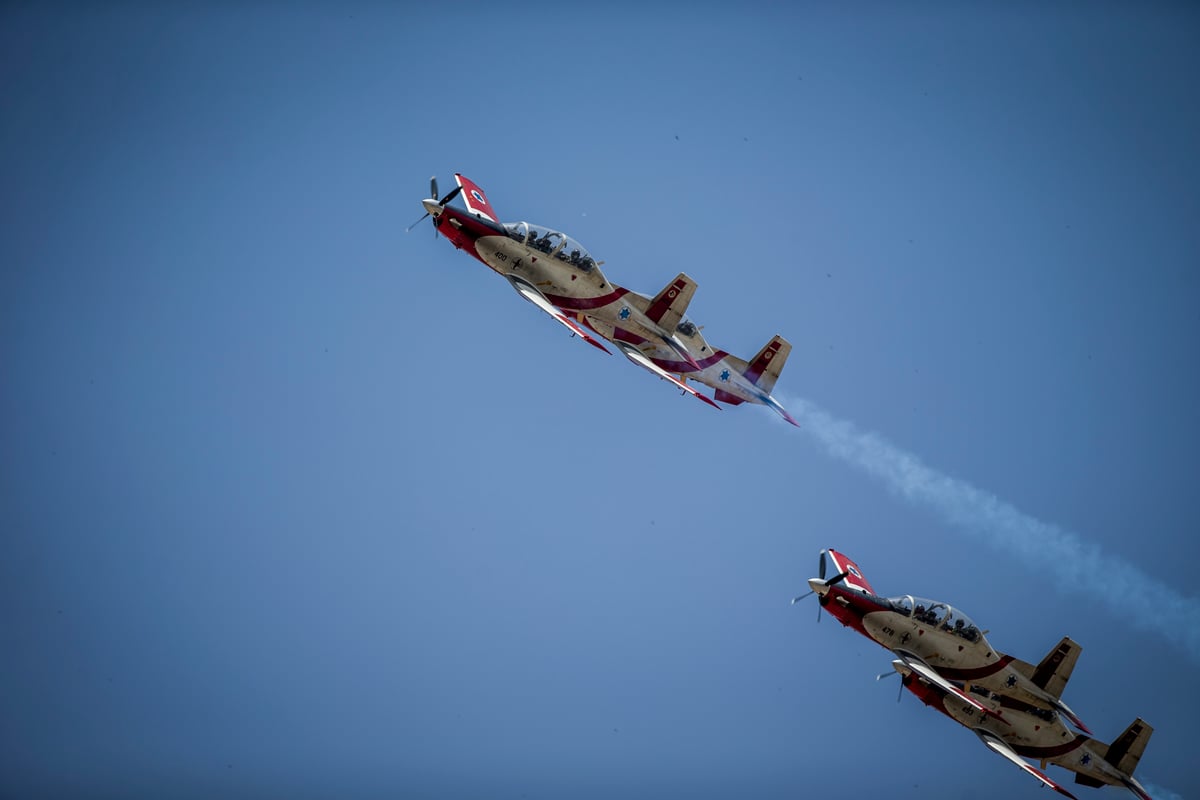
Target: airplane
{"x":552,"y":271}
{"x":1027,"y":731}
{"x":735,"y":381}
{"x":942,"y":644}
{"x":557,"y":275}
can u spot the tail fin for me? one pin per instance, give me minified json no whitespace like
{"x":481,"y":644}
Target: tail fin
{"x":669,"y":306}
{"x":1126,"y":750}
{"x":1055,"y":669}
{"x":765,"y":367}
{"x":476,"y":202}
{"x":854,"y":577}
{"x":1052,"y":674}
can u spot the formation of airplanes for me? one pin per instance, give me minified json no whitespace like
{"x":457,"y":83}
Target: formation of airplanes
{"x":1014,"y":707}
{"x":557,"y":275}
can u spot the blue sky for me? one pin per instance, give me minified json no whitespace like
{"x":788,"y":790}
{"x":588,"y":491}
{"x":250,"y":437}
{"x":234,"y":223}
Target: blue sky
{"x":294,"y":502}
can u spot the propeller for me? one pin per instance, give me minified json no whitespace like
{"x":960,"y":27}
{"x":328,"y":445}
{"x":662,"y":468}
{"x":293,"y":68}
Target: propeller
{"x":820,"y":574}
{"x":433,"y":193}
{"x":883,"y":675}
{"x":836,"y":579}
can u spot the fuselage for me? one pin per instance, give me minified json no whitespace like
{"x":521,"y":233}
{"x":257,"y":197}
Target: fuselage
{"x":936,"y":633}
{"x":1031,"y":732}
{"x":713,"y":367}
{"x":553,"y":264}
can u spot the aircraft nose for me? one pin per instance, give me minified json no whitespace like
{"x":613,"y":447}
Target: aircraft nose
{"x":432,"y":207}
{"x":819,"y":586}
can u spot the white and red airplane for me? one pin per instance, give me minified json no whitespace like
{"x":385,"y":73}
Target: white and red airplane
{"x":555,"y":273}
{"x":735,"y":381}
{"x":941,"y":644}
{"x":1026,"y":731}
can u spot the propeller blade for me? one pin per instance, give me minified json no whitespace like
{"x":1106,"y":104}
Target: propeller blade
{"x":433,"y":186}
{"x":900,"y":693}
{"x":836,"y":579}
{"x":883,"y":675}
{"x":818,"y":613}
{"x":415,"y":224}
{"x":453,"y":194}
{"x":821,"y":567}
{"x":801,"y":597}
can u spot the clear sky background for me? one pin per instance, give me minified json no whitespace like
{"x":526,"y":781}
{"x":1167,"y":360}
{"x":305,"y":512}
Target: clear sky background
{"x":295,"y":504}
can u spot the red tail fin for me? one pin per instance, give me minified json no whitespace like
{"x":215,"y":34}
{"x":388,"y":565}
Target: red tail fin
{"x":477,"y":202}
{"x":854,"y":579}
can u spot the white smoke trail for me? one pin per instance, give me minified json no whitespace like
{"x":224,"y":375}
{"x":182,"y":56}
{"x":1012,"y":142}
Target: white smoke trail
{"x":1078,"y":566}
{"x":1158,"y":792}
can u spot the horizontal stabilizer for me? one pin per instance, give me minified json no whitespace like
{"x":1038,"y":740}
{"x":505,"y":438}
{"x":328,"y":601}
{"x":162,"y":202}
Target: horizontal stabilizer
{"x":726,"y":397}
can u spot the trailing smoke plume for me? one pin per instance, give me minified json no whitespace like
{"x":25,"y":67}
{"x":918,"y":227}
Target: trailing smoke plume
{"x":1078,"y":566}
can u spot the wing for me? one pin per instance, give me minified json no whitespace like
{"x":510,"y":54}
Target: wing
{"x":640,"y":358}
{"x":930,"y":674}
{"x":998,"y":746}
{"x":534,"y":296}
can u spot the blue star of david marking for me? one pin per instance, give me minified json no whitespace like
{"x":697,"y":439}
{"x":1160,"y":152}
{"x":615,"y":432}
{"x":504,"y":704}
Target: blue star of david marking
{"x":624,"y":312}
{"x":725,"y":375}
{"x":1085,"y":760}
{"x":1012,"y":680}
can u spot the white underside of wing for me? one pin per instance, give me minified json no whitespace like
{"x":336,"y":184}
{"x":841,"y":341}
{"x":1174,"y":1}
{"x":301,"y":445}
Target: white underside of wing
{"x":643,"y":361}
{"x":998,"y":746}
{"x":930,"y":674}
{"x":534,"y":296}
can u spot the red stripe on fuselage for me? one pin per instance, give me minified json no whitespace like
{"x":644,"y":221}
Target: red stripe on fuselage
{"x":586,"y":303}
{"x":958,"y":674}
{"x":683,"y":366}
{"x":1029,"y":751}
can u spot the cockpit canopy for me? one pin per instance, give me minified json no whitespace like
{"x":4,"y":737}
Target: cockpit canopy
{"x":938,"y":615}
{"x":687,"y":327}
{"x":552,"y":243}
